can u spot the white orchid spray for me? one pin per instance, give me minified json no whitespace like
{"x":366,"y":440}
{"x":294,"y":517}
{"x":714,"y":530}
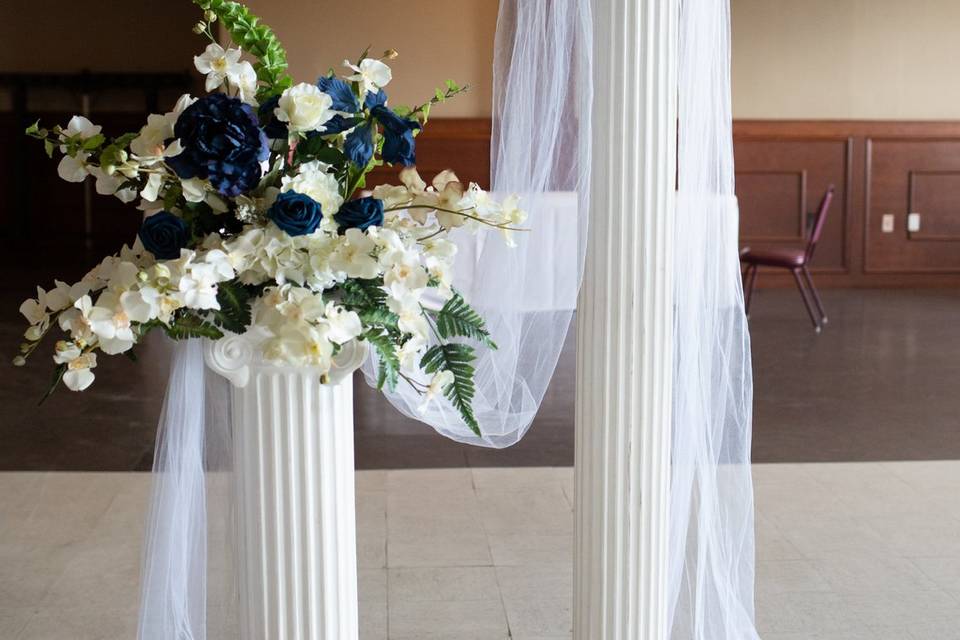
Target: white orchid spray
{"x":256,"y":217}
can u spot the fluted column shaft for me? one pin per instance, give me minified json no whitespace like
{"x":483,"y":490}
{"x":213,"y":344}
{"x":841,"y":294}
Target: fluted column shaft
{"x":625,"y":346}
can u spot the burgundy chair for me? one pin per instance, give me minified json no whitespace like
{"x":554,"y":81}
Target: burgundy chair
{"x":794,"y":259}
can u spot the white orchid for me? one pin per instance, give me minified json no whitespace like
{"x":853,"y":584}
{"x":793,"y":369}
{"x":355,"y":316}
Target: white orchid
{"x":35,"y":310}
{"x":218,"y":64}
{"x":109,"y":185}
{"x":76,"y":321}
{"x":198,"y":287}
{"x":342,"y":325}
{"x":372,"y":74}
{"x":440,"y":381}
{"x":151,"y":146}
{"x":112,"y":318}
{"x":77,"y":376}
{"x":151,"y":190}
{"x":246,"y":83}
{"x":304,"y":107}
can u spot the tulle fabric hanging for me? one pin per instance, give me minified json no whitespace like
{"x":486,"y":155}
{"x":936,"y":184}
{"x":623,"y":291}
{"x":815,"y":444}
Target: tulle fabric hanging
{"x":711,"y":525}
{"x":541,"y":151}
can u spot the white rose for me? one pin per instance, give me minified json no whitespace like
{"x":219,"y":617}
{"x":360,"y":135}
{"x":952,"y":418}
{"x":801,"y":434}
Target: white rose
{"x":304,"y":108}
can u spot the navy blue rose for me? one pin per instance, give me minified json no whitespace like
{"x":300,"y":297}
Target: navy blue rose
{"x":360,"y":214}
{"x":295,"y":213}
{"x":273,"y":127}
{"x":164,"y":234}
{"x":340,"y":92}
{"x":398,"y":143}
{"x":221,"y":142}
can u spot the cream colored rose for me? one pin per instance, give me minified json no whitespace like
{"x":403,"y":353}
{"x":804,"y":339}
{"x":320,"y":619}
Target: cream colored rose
{"x":304,"y":108}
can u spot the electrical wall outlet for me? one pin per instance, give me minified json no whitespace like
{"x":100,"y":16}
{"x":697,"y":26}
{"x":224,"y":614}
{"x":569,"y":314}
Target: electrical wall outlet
{"x":913,"y":222}
{"x":886,"y":223}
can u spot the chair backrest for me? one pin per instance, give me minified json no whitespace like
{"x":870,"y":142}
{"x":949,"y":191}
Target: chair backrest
{"x":819,"y":223}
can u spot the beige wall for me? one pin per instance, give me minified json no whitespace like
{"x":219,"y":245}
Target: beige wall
{"x":437,"y":40}
{"x":804,"y":59}
{"x":846,"y":59}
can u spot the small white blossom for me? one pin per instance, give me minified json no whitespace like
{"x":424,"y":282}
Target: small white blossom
{"x":218,"y":65}
{"x":354,"y":257}
{"x":440,"y":381}
{"x":342,"y":325}
{"x":198,"y":287}
{"x":74,"y":168}
{"x":78,"y":375}
{"x":372,"y":74}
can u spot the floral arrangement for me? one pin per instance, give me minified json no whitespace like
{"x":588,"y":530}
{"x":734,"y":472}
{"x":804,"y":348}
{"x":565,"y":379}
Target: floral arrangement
{"x":256,"y":216}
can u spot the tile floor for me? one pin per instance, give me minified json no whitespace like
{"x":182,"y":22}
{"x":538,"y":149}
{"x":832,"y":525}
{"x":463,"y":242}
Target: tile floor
{"x":846,"y":551}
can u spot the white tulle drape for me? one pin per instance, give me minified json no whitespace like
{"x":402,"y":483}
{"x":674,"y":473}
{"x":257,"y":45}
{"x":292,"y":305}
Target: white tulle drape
{"x":188,"y":590}
{"x":541,"y":151}
{"x":711,"y":525}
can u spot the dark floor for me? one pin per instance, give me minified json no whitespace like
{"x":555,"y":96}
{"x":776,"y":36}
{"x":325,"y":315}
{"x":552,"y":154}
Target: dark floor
{"x":880,"y":383}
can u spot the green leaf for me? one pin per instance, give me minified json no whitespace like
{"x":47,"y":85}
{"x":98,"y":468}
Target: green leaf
{"x":458,"y":359}
{"x":33,"y":129}
{"x":379,"y":316}
{"x":93,"y":142}
{"x":234,"y":313}
{"x":452,"y":86}
{"x":457,"y":318}
{"x":316,"y":148}
{"x":389,"y":362}
{"x":57,"y":377}
{"x":48,"y":146}
{"x":439,"y":95}
{"x":192,"y":326}
{"x":362,"y":293}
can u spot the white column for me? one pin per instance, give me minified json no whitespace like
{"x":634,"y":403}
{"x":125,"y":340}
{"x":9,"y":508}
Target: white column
{"x":294,"y":480}
{"x":624,"y":335}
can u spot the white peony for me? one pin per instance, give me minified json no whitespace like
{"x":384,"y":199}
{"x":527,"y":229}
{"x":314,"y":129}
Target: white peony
{"x":304,"y":107}
{"x":372,"y":74}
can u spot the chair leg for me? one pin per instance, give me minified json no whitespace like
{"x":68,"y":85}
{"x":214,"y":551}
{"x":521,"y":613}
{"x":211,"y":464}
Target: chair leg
{"x":751,"y":280}
{"x":816,"y":296}
{"x":806,"y":300}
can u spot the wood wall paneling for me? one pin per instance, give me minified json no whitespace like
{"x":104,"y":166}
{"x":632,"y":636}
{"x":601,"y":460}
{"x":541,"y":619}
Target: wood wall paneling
{"x":919,"y":176}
